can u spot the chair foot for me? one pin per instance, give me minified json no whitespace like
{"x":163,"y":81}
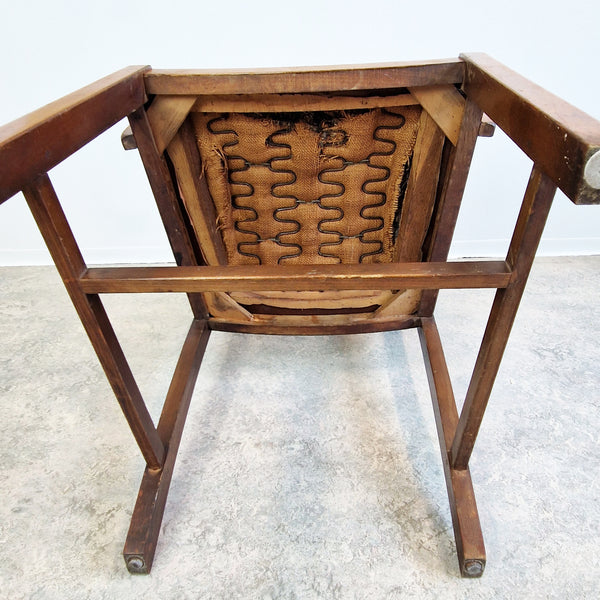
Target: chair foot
{"x":136,"y":564}
{"x":463,"y":508}
{"x":472,"y":568}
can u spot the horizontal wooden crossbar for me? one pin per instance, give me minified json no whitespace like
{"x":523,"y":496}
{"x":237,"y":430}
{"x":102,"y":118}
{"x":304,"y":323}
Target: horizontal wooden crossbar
{"x":260,"y":103}
{"x":306,"y":79}
{"x":468,"y":274}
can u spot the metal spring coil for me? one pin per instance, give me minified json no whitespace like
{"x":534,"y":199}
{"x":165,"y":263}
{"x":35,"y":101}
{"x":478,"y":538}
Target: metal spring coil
{"x":323,"y":226}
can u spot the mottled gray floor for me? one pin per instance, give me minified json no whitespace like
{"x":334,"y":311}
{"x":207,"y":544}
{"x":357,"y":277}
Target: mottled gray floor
{"x":309,"y":467}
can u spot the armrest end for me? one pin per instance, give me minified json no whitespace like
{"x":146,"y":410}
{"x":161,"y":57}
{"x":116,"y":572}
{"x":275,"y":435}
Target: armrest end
{"x":562,"y":140}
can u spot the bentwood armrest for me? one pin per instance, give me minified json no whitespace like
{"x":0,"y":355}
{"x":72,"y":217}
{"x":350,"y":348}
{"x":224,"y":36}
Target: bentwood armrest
{"x":561,"y":139}
{"x":33,"y":144}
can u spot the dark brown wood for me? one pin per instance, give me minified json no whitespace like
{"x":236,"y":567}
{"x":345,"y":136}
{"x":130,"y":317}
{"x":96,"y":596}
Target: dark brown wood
{"x":467,"y":274}
{"x":184,"y":154}
{"x":487,"y":127}
{"x":32,"y":145}
{"x":465,"y":517}
{"x":127,"y":140}
{"x":57,"y":234}
{"x":147,"y":515}
{"x":305,"y":80}
{"x":530,"y":225}
{"x":417,"y":206}
{"x":558,"y":137}
{"x":455,"y":173}
{"x":167,"y":201}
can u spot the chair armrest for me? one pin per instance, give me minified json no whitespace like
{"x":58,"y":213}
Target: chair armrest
{"x":562,"y":140}
{"x":33,"y":144}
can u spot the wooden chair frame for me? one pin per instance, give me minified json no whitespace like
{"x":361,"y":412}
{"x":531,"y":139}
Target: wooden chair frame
{"x":562,"y":142}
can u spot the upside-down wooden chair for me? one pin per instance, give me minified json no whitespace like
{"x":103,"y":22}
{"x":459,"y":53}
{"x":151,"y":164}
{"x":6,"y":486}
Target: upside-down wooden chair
{"x":310,"y":201}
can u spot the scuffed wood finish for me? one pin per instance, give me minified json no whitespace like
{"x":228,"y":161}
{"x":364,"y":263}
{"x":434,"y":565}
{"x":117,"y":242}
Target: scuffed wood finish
{"x":223,"y":306}
{"x":526,"y":237}
{"x":166,"y":114}
{"x":467,"y":274}
{"x":65,"y":253}
{"x":422,"y":186}
{"x":32,"y":145}
{"x":445,"y":105}
{"x":296,"y":102}
{"x":149,"y":508}
{"x":558,"y":137}
{"x":315,"y":324}
{"x":305,"y":79}
{"x":183,"y":152}
{"x":454,"y":172}
{"x":463,"y":508}
{"x":356,"y":298}
{"x":167,"y":201}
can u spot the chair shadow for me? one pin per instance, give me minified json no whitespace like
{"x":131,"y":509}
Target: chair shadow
{"x":316,"y":442}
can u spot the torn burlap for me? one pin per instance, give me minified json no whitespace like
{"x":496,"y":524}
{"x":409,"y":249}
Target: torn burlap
{"x":308,"y":188}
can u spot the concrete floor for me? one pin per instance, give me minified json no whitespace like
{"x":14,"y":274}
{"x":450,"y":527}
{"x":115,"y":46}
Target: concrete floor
{"x":309,"y":467}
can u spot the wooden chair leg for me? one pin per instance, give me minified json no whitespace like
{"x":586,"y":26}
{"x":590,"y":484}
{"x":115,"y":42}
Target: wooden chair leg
{"x":158,"y":445}
{"x":46,"y":210}
{"x":526,"y":237}
{"x":148,"y":512}
{"x":457,"y":435}
{"x":465,"y":518}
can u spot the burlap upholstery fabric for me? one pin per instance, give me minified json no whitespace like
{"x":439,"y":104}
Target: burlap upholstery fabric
{"x":307,"y":188}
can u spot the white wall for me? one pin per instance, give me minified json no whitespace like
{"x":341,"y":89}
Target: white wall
{"x":49,"y":49}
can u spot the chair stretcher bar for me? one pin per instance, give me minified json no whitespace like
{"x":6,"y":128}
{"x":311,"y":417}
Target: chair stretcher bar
{"x":457,"y":275}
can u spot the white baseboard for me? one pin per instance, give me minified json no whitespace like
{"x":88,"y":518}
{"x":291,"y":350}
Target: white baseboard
{"x":159,"y":254}
{"x":548,"y":247}
{"x":93,"y":256}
